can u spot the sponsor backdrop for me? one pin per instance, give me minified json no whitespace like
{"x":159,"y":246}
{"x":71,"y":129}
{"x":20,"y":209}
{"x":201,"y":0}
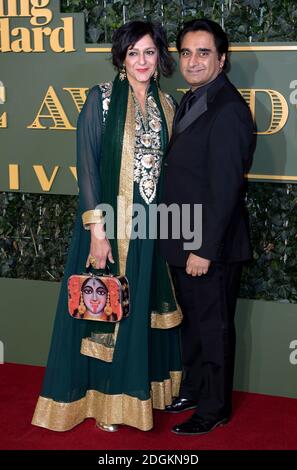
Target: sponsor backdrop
{"x":45,"y":73}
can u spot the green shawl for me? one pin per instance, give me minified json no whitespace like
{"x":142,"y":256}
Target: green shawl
{"x":117,"y":163}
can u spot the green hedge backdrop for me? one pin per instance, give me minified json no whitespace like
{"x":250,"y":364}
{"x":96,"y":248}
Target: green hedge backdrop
{"x":35,"y":229}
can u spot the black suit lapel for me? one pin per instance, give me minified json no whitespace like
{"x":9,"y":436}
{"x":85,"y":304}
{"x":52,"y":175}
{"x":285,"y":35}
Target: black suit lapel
{"x":194,"y":113}
{"x":200,"y":106}
{"x":179,"y":110}
{"x":197,"y":109}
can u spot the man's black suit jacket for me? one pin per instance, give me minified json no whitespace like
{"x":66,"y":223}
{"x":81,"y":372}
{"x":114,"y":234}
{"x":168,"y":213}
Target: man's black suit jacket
{"x":207,"y":159}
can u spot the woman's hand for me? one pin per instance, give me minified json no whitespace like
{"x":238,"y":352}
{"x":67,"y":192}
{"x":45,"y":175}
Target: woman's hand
{"x":100,"y":248}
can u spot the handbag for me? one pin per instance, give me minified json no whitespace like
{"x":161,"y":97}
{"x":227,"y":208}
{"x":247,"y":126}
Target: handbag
{"x":104,"y":297}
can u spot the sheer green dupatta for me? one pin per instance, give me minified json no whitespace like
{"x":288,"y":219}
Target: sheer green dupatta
{"x":165,"y":311}
{"x":100,"y":338}
{"x":117,"y":167}
{"x":144,"y":372}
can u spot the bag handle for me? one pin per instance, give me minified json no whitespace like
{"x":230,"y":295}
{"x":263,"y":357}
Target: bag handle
{"x":99,"y":272}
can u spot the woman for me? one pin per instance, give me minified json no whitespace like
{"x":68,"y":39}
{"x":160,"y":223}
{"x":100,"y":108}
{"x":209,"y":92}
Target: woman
{"x":118,"y":374}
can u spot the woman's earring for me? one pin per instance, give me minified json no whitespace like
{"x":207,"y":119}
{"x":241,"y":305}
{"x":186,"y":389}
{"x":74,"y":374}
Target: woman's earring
{"x":156,"y":75}
{"x":123,"y":74}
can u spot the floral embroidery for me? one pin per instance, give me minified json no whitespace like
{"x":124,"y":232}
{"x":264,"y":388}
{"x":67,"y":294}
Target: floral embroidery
{"x":170,"y":101}
{"x":148,"y":154}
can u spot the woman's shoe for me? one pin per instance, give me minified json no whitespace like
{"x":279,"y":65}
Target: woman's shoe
{"x":107,"y":427}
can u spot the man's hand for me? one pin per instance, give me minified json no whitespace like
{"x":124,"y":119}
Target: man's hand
{"x":197,"y":266}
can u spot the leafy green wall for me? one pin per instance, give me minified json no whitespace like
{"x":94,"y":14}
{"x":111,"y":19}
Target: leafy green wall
{"x":246,"y":20}
{"x":33,"y":243}
{"x":35,"y":231}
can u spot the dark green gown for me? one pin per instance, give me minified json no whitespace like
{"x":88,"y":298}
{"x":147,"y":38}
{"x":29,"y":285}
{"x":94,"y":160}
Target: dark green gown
{"x":129,"y":371}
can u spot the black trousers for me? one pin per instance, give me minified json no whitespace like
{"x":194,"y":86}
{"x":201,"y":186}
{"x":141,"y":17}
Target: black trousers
{"x":208,"y":303}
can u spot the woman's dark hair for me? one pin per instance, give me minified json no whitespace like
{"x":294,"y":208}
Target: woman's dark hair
{"x":128,"y":35}
{"x":219,"y":35}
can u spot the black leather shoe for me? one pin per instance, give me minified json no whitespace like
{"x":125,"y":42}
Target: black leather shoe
{"x":197,"y":425}
{"x":181,"y":404}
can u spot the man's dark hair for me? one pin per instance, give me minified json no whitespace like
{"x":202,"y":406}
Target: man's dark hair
{"x":203,"y":24}
{"x":128,"y":35}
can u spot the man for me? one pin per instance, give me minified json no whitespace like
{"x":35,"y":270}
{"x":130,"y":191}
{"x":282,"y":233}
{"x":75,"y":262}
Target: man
{"x":208,"y":156}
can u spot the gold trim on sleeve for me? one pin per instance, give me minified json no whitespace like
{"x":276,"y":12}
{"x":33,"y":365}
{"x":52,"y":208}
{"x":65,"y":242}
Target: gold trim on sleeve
{"x":96,"y":350}
{"x":101,"y":347}
{"x":92,"y":217}
{"x":164,"y":321}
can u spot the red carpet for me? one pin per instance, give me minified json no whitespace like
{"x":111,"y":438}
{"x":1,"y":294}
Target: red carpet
{"x":259,"y":422}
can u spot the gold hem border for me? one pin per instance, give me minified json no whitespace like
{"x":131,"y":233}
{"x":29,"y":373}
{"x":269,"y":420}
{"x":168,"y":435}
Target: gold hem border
{"x":110,"y":409}
{"x":162,"y":392}
{"x":165,"y":321}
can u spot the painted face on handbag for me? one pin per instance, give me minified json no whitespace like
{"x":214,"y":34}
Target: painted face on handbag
{"x":94,"y":296}
{"x":101,"y":298}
